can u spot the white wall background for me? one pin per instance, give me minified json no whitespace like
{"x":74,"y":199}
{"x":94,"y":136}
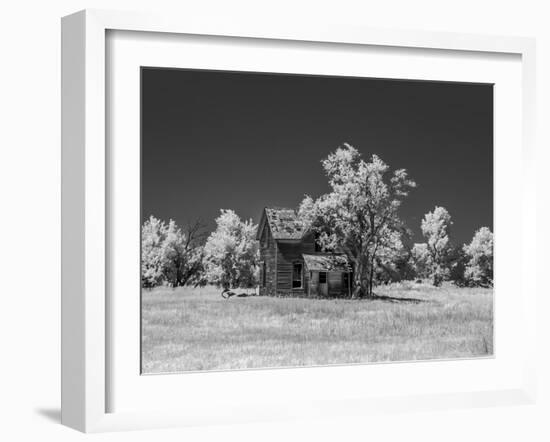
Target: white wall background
{"x":30,"y":215}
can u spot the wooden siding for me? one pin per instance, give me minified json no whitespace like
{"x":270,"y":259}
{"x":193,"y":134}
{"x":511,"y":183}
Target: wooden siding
{"x":335,"y":283}
{"x":335,"y":280}
{"x":268,"y":254}
{"x":312,"y":282}
{"x":287,"y":254}
{"x":279,"y":257}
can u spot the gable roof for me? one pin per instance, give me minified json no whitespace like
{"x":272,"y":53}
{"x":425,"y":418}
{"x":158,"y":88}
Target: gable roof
{"x":327,"y":262}
{"x":283,"y":223}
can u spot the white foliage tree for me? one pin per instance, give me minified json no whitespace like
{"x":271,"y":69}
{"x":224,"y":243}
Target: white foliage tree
{"x":359,"y":215}
{"x":421,"y":260}
{"x":182,"y":254}
{"x":170,"y":255}
{"x":389,"y":254}
{"x":479,"y":253}
{"x":153,"y":234}
{"x":436,"y":227}
{"x":231,"y":252}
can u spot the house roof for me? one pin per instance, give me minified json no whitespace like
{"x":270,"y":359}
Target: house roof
{"x":283,"y":223}
{"x":327,"y":262}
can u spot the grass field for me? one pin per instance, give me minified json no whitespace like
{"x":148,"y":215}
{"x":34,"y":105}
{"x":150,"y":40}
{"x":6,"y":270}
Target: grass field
{"x":195,"y":329}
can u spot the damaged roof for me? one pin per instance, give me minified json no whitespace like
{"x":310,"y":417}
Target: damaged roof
{"x":327,"y":262}
{"x":284,"y":223}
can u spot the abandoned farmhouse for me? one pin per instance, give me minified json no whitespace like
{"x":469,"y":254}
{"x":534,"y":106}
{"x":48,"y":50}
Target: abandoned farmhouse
{"x":291,"y":262}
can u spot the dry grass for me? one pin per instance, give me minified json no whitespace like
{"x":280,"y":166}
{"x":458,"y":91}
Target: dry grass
{"x":195,"y":329}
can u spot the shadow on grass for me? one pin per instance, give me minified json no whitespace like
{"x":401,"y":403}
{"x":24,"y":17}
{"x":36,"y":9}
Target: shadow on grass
{"x":393,"y":299}
{"x":374,"y":297}
{"x":228,"y":295}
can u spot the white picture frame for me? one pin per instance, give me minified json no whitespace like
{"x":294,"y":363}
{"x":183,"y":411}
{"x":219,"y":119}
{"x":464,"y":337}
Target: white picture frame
{"x":86,"y":202}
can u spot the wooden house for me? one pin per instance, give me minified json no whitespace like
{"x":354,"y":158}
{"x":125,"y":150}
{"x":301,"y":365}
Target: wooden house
{"x":291,"y":262}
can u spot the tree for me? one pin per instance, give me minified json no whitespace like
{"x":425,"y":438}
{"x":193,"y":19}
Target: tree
{"x":421,"y":260}
{"x":479,"y":253}
{"x":170,"y":255}
{"x":359,"y":215}
{"x":436,"y":229}
{"x":153,"y":234}
{"x":231,"y":252}
{"x":389,"y":258}
{"x":182,"y":254}
{"x":397,"y":265}
{"x":457,"y":261}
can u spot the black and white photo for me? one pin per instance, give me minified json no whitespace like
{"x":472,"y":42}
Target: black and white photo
{"x":305,"y":220}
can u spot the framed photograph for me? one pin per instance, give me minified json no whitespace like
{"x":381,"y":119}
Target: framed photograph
{"x":266,"y":222}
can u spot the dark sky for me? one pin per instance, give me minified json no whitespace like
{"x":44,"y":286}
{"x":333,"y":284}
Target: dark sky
{"x":242,"y":141}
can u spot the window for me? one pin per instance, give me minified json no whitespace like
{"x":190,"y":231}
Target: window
{"x":322,"y":277}
{"x":297,"y":269}
{"x":264,"y":274}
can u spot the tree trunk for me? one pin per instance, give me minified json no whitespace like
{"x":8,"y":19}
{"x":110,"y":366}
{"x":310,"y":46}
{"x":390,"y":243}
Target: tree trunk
{"x":363,"y":278}
{"x":178,"y":272}
{"x":356,"y":292}
{"x":360,"y":278}
{"x":371,"y":279}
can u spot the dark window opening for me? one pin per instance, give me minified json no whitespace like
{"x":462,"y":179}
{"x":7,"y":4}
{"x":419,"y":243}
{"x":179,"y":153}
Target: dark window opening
{"x":264,"y":274}
{"x":322,"y":277}
{"x":297,"y":277}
